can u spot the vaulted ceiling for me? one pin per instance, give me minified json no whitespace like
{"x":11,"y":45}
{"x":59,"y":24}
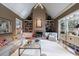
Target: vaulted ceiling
{"x":24,"y":9}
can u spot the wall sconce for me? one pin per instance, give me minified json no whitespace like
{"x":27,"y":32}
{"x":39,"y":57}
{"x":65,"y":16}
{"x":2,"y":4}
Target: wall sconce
{"x":38,"y":23}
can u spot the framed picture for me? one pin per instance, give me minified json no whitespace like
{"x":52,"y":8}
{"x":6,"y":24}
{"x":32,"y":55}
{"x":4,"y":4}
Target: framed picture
{"x":39,"y":23}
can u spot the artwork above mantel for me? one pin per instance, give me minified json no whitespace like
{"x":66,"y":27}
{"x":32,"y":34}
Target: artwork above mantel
{"x":38,"y":23}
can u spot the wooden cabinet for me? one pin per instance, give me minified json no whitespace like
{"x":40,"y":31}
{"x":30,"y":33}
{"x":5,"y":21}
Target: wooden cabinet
{"x":67,"y":26}
{"x":68,"y":31}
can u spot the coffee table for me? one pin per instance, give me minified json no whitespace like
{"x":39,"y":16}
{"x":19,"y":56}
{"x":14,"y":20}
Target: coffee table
{"x":33,"y":45}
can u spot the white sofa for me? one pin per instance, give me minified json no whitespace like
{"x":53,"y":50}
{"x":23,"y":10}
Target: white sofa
{"x":51,"y":36}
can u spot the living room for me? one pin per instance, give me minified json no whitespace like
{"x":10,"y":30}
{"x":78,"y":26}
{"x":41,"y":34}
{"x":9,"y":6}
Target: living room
{"x":37,"y":30}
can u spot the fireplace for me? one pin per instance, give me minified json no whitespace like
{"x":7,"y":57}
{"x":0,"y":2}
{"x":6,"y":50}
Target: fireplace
{"x":38,"y":34}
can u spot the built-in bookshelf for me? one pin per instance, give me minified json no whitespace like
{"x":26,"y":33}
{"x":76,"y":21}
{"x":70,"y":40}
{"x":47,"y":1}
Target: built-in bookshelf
{"x":27,"y":26}
{"x":49,"y":25}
